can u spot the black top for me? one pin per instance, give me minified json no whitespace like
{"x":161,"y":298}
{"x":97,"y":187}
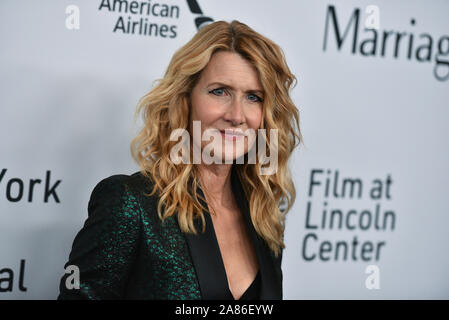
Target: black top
{"x":253,"y":291}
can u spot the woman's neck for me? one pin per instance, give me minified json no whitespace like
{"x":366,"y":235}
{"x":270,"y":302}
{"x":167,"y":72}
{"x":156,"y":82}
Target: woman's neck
{"x":216,"y":180}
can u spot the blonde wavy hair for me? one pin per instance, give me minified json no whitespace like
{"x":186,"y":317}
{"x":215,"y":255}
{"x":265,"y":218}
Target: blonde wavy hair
{"x":166,"y":107}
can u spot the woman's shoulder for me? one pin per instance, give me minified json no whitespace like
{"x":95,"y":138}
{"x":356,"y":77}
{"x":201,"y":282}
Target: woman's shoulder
{"x":123,"y":189}
{"x":136,"y":182}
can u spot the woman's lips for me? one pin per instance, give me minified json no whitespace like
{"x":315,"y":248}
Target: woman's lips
{"x":231,"y":135}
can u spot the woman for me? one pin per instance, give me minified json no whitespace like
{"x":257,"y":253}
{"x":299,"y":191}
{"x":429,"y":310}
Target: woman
{"x":198,"y":230}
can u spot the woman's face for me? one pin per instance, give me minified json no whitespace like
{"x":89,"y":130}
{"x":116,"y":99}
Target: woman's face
{"x":228,"y":95}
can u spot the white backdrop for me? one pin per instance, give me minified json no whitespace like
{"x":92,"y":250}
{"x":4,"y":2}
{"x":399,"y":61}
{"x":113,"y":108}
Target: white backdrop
{"x":374,"y":124}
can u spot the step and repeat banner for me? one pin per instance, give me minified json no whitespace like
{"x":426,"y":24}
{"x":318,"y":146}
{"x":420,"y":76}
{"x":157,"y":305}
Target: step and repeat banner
{"x":371,"y":217}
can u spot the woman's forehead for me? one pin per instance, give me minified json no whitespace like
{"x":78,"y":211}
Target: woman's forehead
{"x":232,"y":70}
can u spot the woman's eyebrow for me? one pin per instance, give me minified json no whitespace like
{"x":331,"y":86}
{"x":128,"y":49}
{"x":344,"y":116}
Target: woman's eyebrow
{"x":231,"y":87}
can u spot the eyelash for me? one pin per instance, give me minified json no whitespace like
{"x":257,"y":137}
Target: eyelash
{"x":259,"y":99}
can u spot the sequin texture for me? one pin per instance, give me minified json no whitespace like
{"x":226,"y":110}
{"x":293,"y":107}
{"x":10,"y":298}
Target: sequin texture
{"x":124,"y":251}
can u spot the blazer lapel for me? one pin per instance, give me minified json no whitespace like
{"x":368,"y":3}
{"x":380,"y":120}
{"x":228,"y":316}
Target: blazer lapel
{"x":271,"y":286}
{"x":206,"y":258}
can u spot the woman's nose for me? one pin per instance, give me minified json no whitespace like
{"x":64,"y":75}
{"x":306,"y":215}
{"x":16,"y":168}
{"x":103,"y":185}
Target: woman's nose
{"x":235,"y":113}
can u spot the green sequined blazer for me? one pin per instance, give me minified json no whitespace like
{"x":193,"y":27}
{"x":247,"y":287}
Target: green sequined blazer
{"x":124,"y":251}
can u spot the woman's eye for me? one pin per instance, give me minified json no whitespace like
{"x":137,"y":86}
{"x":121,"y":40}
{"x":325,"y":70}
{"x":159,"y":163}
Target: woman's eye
{"x":254,"y":98}
{"x":217,"y":92}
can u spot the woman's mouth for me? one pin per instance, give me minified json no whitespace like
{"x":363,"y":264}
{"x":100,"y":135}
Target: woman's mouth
{"x":232,"y":135}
